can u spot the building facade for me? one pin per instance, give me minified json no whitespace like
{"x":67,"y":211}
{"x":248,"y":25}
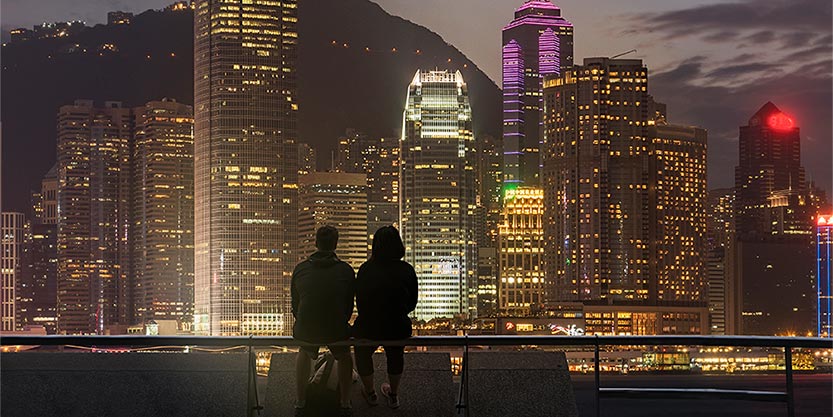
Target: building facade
{"x":37,"y":290}
{"x":723,"y":294}
{"x":11,"y":249}
{"x":596,"y":221}
{"x":678,"y":196}
{"x":437,"y":194}
{"x":307,"y":159}
{"x":824,"y":262}
{"x":769,"y":171}
{"x":339,"y":200}
{"x":378,"y":159}
{"x":162,"y":235}
{"x":489,"y":217}
{"x":93,"y":216}
{"x":383,"y":185}
{"x":774,"y":218}
{"x":246,"y":165}
{"x":538,"y":42}
{"x":521,"y":245}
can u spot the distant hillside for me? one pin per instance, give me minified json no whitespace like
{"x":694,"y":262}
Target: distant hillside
{"x":362,"y":85}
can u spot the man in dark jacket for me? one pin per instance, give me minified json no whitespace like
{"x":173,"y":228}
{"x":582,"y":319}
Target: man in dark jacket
{"x":323,"y":288}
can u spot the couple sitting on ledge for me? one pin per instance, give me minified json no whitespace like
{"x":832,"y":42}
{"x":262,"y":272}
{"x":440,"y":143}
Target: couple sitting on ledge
{"x":385,"y":290}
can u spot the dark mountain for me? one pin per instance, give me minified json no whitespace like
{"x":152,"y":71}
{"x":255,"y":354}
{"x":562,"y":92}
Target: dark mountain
{"x":360,"y":85}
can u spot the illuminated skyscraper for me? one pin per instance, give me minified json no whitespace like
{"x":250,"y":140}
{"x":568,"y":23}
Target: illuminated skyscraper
{"x":378,"y":159}
{"x":774,"y":218}
{"x":489,"y":217}
{"x":769,"y":174}
{"x":162,"y":235}
{"x":538,"y":42}
{"x":336,"y":199}
{"x":678,"y":196}
{"x":353,"y":151}
{"x":10,"y":254}
{"x":37,"y":288}
{"x":307,"y":159}
{"x":521,"y":244}
{"x":93,"y":216}
{"x":44,"y":208}
{"x":438,"y":191}
{"x":824,"y":266}
{"x":723,"y":294}
{"x":383,"y":185}
{"x":246,"y":165}
{"x":596,"y":222}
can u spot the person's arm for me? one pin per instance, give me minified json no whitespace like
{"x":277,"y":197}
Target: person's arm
{"x":294,"y":292}
{"x":413,"y":288}
{"x":350,"y":294}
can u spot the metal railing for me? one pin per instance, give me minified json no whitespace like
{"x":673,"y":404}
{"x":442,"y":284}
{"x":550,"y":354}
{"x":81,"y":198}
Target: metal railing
{"x":465,"y":342}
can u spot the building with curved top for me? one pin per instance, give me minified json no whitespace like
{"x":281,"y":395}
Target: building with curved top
{"x":438,"y":194}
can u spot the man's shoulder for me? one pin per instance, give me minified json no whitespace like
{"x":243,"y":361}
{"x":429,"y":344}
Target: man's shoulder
{"x":346,"y":268}
{"x":301,"y":265}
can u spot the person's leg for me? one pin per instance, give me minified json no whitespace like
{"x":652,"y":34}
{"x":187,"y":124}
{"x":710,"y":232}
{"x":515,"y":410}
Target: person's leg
{"x":395,"y":356}
{"x":303,"y":363}
{"x":364,"y":366}
{"x":345,"y":373}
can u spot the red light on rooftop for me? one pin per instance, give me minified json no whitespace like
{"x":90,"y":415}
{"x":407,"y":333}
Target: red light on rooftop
{"x":825,"y":220}
{"x":781,"y":121}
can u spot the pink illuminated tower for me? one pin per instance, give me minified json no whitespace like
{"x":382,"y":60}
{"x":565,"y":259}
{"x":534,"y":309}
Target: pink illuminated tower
{"x":537,"y":43}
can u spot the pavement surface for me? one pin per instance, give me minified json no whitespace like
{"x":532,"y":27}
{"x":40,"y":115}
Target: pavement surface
{"x":814,"y":395}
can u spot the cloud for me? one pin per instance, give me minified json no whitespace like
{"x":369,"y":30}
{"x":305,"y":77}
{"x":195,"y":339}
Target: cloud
{"x":742,"y":70}
{"x":720,"y":36}
{"x":810,"y":53}
{"x":771,"y":15}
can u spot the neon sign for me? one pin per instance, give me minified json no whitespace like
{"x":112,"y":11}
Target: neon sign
{"x":571,"y":330}
{"x":780,"y":121}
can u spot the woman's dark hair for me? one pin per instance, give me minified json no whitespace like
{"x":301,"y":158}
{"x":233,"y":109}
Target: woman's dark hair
{"x":387,"y":245}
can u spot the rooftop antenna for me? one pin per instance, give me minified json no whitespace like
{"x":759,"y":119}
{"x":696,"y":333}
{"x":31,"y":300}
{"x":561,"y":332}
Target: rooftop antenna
{"x":623,"y":53}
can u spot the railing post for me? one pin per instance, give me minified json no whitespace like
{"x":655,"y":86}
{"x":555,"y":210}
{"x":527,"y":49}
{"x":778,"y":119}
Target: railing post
{"x":252,"y":402}
{"x":463,"y":395}
{"x":596,"y":374}
{"x":788,"y":359}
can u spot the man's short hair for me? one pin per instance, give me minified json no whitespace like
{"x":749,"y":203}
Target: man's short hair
{"x":326,"y":238}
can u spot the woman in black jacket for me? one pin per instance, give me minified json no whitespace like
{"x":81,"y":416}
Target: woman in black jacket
{"x":386,"y":291}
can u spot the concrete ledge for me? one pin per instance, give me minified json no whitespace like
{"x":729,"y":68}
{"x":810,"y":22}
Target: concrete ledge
{"x":426,"y":391}
{"x":529,"y":384}
{"x":127,"y":384}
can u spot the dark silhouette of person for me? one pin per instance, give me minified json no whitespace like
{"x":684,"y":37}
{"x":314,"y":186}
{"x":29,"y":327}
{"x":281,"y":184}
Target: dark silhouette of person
{"x":323,"y":288}
{"x":386,"y":292}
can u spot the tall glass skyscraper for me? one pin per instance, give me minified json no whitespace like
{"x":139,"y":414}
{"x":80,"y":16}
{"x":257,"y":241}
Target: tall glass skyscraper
{"x":246,"y":165}
{"x":438,"y":192}
{"x":774,"y":214}
{"x":93,"y":217}
{"x":596,"y":216}
{"x":521,"y":244}
{"x":11,"y":243}
{"x":162,"y":235}
{"x":537,"y":43}
{"x":824,"y":256}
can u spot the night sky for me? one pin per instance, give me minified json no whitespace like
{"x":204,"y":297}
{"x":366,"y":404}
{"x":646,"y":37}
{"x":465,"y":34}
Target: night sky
{"x":714,"y":63}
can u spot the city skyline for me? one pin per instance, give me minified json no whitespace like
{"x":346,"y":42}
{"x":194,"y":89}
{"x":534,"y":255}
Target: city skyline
{"x":616,"y":232}
{"x":744,"y":77}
